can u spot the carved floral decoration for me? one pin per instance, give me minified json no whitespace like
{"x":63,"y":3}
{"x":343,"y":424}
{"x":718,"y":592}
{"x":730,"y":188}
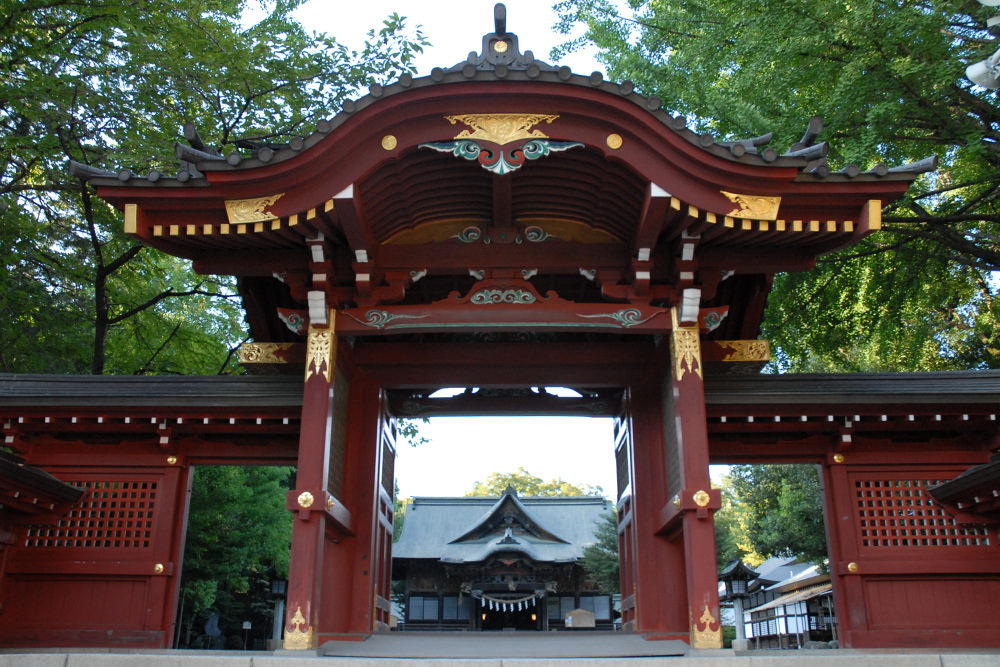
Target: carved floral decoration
{"x":501,"y":142}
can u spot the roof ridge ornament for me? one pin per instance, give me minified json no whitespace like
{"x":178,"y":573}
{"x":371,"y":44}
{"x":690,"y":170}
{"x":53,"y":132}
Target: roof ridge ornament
{"x":501,"y":51}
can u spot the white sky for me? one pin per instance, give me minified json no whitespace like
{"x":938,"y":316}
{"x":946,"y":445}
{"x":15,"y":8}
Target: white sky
{"x":464,"y":450}
{"x":453,"y":28}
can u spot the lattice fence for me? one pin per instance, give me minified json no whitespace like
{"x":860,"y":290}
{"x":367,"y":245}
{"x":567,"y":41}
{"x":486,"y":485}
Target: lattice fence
{"x":899,"y":513}
{"x":112,"y":514}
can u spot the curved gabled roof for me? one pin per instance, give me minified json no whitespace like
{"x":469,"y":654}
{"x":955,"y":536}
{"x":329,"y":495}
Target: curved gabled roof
{"x":504,"y":168}
{"x":457,"y":530}
{"x":510,"y":65}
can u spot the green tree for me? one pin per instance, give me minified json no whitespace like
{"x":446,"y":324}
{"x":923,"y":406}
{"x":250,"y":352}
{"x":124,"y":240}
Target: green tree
{"x":527,"y":484}
{"x":110,"y":84}
{"x":888,"y":78}
{"x":778,"y":512}
{"x":730,"y":540}
{"x":238,"y":540}
{"x":600,"y":559}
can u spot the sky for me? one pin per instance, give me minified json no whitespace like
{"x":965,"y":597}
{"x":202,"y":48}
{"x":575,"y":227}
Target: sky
{"x":464,"y":450}
{"x":453,"y":28}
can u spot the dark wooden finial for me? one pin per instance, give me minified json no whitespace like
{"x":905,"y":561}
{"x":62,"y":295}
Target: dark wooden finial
{"x":500,"y":19}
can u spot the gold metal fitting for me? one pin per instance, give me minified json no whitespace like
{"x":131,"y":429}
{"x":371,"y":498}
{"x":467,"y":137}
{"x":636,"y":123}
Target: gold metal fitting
{"x":701,"y":498}
{"x":852,"y":567}
{"x":838,"y":458}
{"x":158,"y":568}
{"x":389,"y":142}
{"x":171,"y":459}
{"x":500,"y":46}
{"x":614,"y":141}
{"x":330,"y":503}
{"x":306,"y":500}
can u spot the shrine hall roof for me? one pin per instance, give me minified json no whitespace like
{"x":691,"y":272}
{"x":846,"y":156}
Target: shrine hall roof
{"x":459,"y":530}
{"x":196,"y":158}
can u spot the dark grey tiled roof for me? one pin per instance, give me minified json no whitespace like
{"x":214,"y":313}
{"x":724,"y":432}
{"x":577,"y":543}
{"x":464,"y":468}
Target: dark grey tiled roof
{"x":807,"y":156}
{"x":149,"y":390}
{"x":945,"y":387}
{"x":433,"y":524}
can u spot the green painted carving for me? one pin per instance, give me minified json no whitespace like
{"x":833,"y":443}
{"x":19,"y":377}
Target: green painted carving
{"x":494,"y":296}
{"x":628,"y":317}
{"x":379,"y":319}
{"x":501,"y":161}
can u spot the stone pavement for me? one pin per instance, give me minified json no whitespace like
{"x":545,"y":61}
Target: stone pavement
{"x":592,"y":649}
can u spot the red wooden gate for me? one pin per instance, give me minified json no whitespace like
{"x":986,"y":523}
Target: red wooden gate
{"x":904,"y":572}
{"x":627,"y":547}
{"x":382,"y":529}
{"x":105,"y":574}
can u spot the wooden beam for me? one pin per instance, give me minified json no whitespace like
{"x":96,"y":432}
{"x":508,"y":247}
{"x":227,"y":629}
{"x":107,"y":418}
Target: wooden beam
{"x":651,"y":221}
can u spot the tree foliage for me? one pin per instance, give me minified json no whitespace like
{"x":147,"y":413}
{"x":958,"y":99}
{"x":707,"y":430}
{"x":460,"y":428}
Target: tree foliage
{"x":888,"y":78}
{"x":527,"y":484}
{"x":773,"y":510}
{"x":600,"y":559}
{"x":110,"y":84}
{"x":238,"y":540}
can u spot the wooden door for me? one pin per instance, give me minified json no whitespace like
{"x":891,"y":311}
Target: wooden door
{"x":384,"y":502}
{"x":627,"y":544}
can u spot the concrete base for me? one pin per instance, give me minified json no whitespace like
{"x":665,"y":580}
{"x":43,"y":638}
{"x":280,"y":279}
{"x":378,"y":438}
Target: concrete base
{"x":715,"y":658}
{"x":740,"y":645}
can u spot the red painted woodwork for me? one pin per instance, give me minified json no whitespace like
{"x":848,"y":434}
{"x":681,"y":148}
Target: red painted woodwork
{"x":628,"y":556}
{"x":381,"y":560}
{"x":101,"y":555}
{"x":904,"y":573}
{"x":307,"y":501}
{"x":660,"y":563}
{"x":117,"y":554}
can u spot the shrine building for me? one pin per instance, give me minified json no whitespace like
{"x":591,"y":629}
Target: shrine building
{"x":474,"y":563}
{"x":504,"y":224}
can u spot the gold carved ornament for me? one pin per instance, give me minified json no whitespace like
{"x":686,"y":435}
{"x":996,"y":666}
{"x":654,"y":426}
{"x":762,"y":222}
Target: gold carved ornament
{"x":305,"y":500}
{"x":685,"y":348}
{"x":757,"y":207}
{"x":251,"y":210}
{"x":701,"y":498}
{"x":298,"y":639}
{"x":501,"y":128}
{"x":746,"y":350}
{"x":320,"y":348}
{"x":263,"y":353}
{"x":707,"y":637}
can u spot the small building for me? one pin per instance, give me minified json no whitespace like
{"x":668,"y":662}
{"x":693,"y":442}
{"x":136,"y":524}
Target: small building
{"x":790,"y":605}
{"x":507,"y":563}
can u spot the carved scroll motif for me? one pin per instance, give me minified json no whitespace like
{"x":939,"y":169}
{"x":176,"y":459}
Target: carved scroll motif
{"x":756,"y":207}
{"x":242,"y":211}
{"x":746,"y":350}
{"x":263,"y":353}
{"x":501,"y":128}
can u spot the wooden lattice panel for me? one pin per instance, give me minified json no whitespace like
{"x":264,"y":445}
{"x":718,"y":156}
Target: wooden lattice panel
{"x":113,"y":514}
{"x":899,"y":513}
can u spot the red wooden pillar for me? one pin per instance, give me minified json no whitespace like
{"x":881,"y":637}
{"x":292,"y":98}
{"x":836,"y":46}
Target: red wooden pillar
{"x":351,"y":564}
{"x":309,"y":500}
{"x":656,"y":588}
{"x":689,"y":515}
